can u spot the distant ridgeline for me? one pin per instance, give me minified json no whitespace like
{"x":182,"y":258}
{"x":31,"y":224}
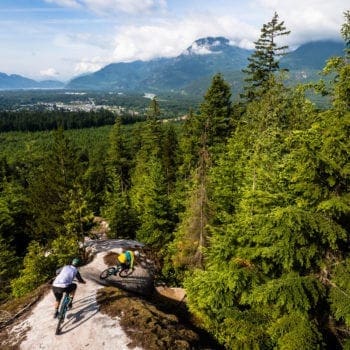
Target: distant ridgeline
{"x":190,"y":72}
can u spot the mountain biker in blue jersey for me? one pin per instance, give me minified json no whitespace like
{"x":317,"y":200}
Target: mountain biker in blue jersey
{"x":64,"y":282}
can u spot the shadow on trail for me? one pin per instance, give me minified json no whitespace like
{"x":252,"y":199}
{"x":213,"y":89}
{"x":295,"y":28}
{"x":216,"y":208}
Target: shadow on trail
{"x":83,"y":310}
{"x":136,"y":284}
{"x":139,"y":282}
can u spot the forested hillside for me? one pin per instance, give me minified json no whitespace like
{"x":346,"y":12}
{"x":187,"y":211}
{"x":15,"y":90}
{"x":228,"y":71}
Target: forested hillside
{"x":246,"y":204}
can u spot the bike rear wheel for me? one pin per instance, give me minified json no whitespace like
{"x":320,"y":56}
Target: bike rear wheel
{"x":125,"y":272}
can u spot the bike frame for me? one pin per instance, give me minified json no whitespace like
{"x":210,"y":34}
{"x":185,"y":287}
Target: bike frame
{"x":63,"y":310}
{"x":116,"y":270}
{"x":64,"y":305}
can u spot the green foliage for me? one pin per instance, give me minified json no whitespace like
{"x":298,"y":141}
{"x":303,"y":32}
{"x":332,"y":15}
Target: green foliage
{"x":203,"y":137}
{"x":345,"y":32}
{"x":235,"y":327}
{"x":215,"y":113}
{"x":40,"y":263}
{"x":265,"y":59}
{"x":340,"y":292}
{"x":27,"y":120}
{"x":8,"y":268}
{"x":149,"y":192}
{"x":118,"y":211}
{"x":295,"y":331}
{"x":149,"y":200}
{"x":54,"y":187}
{"x":262,"y":204}
{"x":77,"y":217}
{"x":280,"y":228}
{"x":63,"y":249}
{"x":38,"y":268}
{"x":14,"y":214}
{"x":118,"y":163}
{"x":186,"y":249}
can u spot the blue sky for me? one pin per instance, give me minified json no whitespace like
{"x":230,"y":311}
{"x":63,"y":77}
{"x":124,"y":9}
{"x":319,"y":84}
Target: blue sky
{"x":60,"y":39}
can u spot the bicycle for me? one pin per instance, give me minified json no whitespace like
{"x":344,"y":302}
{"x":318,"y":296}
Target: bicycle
{"x":114,"y":270}
{"x":67,"y":299}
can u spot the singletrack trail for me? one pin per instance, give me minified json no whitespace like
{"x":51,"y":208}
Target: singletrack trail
{"x":84,"y":327}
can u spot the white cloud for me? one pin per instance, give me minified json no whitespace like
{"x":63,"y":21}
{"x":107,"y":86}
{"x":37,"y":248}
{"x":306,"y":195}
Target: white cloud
{"x":79,"y":41}
{"x":200,"y":50}
{"x":50,"y":72}
{"x":89,"y":65}
{"x":170,"y":38}
{"x":308,"y":20}
{"x":106,"y":7}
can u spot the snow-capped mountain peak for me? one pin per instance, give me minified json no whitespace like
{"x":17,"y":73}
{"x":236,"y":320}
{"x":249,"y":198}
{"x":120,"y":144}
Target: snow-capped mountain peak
{"x":206,"y":46}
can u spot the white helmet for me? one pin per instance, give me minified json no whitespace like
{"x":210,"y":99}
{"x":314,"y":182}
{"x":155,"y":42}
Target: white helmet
{"x":136,"y":253}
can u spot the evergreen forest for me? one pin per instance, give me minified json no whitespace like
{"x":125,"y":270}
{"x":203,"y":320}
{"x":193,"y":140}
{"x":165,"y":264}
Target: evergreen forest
{"x":246,"y":204}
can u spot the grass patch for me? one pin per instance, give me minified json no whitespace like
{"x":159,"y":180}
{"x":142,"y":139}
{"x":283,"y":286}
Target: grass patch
{"x":152,"y":323}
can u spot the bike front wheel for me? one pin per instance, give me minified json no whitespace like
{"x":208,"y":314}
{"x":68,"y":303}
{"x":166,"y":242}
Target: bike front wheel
{"x":59,"y":324}
{"x":62,"y":313}
{"x":108,"y":272}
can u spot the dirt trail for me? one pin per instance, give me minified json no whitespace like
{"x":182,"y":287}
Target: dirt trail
{"x":84,"y":328}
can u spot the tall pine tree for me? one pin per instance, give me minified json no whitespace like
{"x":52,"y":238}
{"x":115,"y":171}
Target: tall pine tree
{"x":277,"y":267}
{"x":51,"y":188}
{"x":205,"y":134}
{"x":264,"y":61}
{"x":149,"y":191}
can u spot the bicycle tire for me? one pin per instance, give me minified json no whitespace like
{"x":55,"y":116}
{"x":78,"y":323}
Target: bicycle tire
{"x":125,"y":272}
{"x":62,"y":312}
{"x":58,"y":328}
{"x":107,"y":272}
{"x":104,"y":274}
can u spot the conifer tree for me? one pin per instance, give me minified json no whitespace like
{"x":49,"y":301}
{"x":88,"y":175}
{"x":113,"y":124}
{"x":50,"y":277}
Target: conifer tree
{"x":189,"y":145}
{"x":169,"y":149}
{"x":8,"y":268}
{"x":215,"y":113}
{"x":117,"y":158}
{"x":37,"y":269}
{"x":117,"y":207}
{"x":51,"y":186}
{"x":14,"y":215}
{"x":264,"y":61}
{"x":77,"y":216}
{"x":149,"y":191}
{"x":207,"y":133}
{"x":150,"y":201}
{"x":277,"y":265}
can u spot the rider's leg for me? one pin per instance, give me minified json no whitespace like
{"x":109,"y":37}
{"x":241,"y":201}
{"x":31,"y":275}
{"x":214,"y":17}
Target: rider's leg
{"x":58,"y":292}
{"x":71,"y":290}
{"x":117,"y":268}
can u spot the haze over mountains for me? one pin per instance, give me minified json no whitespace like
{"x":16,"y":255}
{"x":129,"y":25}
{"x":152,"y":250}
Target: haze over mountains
{"x":188,"y":71}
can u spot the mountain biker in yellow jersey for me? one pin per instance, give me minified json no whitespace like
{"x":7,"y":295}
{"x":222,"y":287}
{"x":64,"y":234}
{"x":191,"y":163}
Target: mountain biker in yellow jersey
{"x":126,"y":259}
{"x":64,"y":282}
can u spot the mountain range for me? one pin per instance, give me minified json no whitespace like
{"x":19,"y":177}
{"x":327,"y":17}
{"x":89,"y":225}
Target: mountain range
{"x":188,"y":72}
{"x":14,"y":81}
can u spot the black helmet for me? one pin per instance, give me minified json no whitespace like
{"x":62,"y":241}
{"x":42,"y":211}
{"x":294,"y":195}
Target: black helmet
{"x":76,"y":262}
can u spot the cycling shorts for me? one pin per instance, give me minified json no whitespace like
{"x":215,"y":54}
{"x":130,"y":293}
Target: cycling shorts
{"x":58,"y":291}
